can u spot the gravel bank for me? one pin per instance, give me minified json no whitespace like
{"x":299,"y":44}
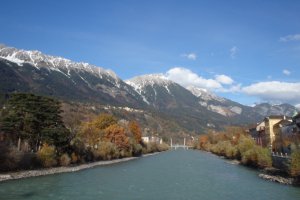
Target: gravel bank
{"x":56,"y":170}
{"x":278,"y":179}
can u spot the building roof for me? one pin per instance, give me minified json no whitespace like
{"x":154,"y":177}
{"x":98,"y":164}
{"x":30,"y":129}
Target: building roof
{"x":278,"y":117}
{"x":282,"y":123}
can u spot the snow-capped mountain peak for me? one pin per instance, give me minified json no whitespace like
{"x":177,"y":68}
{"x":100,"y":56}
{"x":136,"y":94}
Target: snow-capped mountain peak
{"x":149,"y":79}
{"x":40,"y":60}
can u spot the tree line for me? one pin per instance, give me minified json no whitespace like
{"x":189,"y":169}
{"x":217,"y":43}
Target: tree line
{"x":236,"y":143}
{"x":33,"y":134}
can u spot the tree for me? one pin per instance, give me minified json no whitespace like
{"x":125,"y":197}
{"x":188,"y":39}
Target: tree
{"x":104,"y":120}
{"x":36,"y":119}
{"x":89,"y":134}
{"x":135,"y":130}
{"x":203,"y":140}
{"x":116,"y":134}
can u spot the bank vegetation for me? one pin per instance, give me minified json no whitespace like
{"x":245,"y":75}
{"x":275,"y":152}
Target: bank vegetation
{"x":34,"y":133}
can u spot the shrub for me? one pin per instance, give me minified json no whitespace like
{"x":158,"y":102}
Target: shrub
{"x":264,"y":158}
{"x":74,"y":158}
{"x":149,"y":148}
{"x":9,"y":158}
{"x":64,"y":160}
{"x":245,"y":144}
{"x":163,"y":147}
{"x":295,"y":163}
{"x":249,"y":157}
{"x":231,"y":151}
{"x":136,"y":149}
{"x":257,"y":156}
{"x":29,"y":161}
{"x":47,"y":156}
{"x":106,"y":151}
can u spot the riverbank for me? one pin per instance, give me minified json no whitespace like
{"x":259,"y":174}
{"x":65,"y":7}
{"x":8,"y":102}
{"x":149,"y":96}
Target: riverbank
{"x":270,"y":174}
{"x":57,"y":170}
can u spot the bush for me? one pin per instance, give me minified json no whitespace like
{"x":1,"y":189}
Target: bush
{"x":74,"y":158}
{"x":152,"y":147}
{"x":64,"y":160}
{"x":295,"y":163}
{"x":106,"y":151}
{"x":9,"y":158}
{"x":231,"y":152}
{"x":136,"y":149}
{"x":245,"y":144}
{"x":163,"y":147}
{"x":257,"y":156}
{"x":264,"y":158}
{"x":149,"y":148}
{"x":29,"y":161}
{"x":47,"y":156}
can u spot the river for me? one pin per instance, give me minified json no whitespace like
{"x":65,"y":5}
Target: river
{"x":174,"y":175}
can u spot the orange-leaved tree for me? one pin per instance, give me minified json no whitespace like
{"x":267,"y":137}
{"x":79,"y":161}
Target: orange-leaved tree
{"x":135,"y":130}
{"x":116,"y":134}
{"x":203,"y":140}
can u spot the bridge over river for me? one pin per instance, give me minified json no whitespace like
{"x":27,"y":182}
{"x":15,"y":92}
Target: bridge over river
{"x":176,"y":146}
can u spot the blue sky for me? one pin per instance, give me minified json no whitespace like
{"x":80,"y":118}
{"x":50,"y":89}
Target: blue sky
{"x":246,"y":51}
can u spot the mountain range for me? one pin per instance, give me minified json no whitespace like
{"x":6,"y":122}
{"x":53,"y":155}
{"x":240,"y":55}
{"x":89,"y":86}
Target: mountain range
{"x":194,"y":109}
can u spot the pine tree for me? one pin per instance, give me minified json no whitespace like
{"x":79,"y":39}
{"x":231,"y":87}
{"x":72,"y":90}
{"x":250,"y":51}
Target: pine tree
{"x":35,"y":119}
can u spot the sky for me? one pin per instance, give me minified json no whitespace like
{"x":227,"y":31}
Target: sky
{"x":247,"y":51}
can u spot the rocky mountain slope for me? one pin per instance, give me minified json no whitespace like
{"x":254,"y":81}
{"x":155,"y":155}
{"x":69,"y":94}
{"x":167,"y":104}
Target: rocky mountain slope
{"x":32,"y":71}
{"x":191,"y":108}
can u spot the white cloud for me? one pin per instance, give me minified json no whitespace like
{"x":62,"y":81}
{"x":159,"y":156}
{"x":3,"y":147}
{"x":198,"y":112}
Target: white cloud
{"x":186,"y":77}
{"x":275,"y":91}
{"x":233,"y":52}
{"x":223,"y":79}
{"x":295,"y":37}
{"x":190,"y":56}
{"x":232,"y":89}
{"x":286,"y":72}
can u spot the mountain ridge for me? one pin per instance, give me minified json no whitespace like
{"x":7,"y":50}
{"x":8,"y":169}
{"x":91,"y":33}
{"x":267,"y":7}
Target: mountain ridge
{"x":191,"y":107}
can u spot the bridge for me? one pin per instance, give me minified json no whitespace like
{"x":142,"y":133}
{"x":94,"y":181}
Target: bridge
{"x":176,"y":146}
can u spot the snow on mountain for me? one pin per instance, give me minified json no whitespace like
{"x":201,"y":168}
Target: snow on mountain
{"x":140,"y":83}
{"x":33,"y":71}
{"x":59,"y":64}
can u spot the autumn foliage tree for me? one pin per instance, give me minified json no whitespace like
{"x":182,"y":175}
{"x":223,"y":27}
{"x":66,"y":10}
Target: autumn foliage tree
{"x":116,"y":135}
{"x":135,"y":130}
{"x":89,"y":134}
{"x":103,"y":121}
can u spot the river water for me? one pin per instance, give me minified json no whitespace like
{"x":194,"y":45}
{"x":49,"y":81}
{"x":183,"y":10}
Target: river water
{"x":174,"y":175}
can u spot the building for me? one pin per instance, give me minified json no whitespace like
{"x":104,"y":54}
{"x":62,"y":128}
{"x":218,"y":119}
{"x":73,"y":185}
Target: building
{"x":269,"y":126}
{"x":153,"y":139}
{"x":145,"y":139}
{"x":264,"y":133}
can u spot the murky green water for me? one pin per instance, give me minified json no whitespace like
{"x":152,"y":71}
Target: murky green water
{"x":179,"y":174}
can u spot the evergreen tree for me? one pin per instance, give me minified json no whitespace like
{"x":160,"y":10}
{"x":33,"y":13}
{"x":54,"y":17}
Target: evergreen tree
{"x":36,"y":119}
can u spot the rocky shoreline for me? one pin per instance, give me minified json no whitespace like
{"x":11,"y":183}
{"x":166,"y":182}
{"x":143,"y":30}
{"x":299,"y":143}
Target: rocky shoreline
{"x":277,"y":179}
{"x":271,"y":174}
{"x":57,"y":170}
